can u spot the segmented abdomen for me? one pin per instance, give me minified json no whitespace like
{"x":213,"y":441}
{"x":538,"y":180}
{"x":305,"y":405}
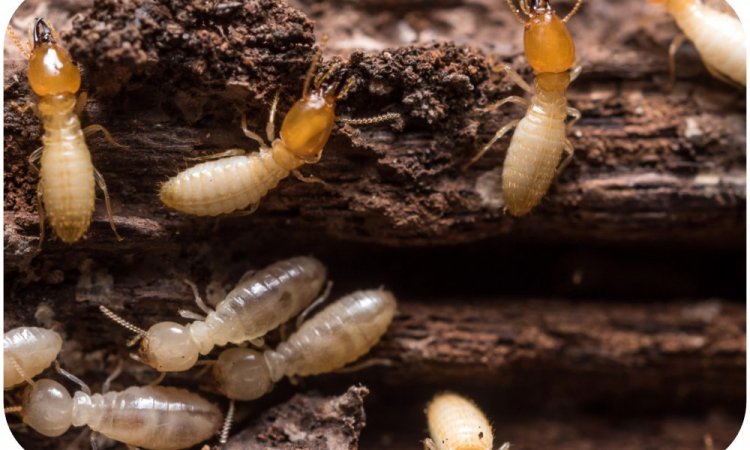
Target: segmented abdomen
{"x":457,"y":423}
{"x":262,"y":302}
{"x":531,"y":162}
{"x":67,"y":181}
{"x":718,"y":37}
{"x":338,"y":335}
{"x":154,"y":417}
{"x":223,"y":186}
{"x":32,"y":348}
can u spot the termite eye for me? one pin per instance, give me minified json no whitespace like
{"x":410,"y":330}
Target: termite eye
{"x":548,"y":44}
{"x":169,"y":347}
{"x":52,"y":71}
{"x":308,"y":124}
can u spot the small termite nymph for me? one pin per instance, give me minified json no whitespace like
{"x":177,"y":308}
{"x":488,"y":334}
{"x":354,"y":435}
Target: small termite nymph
{"x":533,"y":157}
{"x":718,"y":36}
{"x":258,"y":304}
{"x":65,"y":193}
{"x":234,"y":183}
{"x":27,"y":351}
{"x":152,"y":417}
{"x":456,"y":423}
{"x":338,"y":335}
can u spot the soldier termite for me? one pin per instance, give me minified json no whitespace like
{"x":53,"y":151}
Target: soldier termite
{"x":237,"y":181}
{"x":258,"y":304}
{"x":533,"y":157}
{"x":341,"y":333}
{"x":27,"y":351}
{"x":152,"y":417}
{"x":66,"y":177}
{"x":456,"y":423}
{"x":718,"y":37}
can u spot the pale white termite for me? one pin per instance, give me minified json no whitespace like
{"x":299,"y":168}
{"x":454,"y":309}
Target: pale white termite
{"x":27,"y":351}
{"x":338,"y":335}
{"x":65,"y":192}
{"x":718,"y":36}
{"x":152,"y":417}
{"x":534,"y":153}
{"x":456,"y":423}
{"x":233,"y":183}
{"x":259,"y":303}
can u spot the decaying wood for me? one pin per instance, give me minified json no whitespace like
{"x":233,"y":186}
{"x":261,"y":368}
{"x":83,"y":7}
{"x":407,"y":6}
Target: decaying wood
{"x":566,"y":337}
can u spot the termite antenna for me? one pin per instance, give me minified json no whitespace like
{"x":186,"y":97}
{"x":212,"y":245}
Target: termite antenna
{"x":227,"y":424}
{"x":371,"y":120}
{"x":19,"y":369}
{"x":122,"y":322}
{"x":573,"y":11}
{"x":13,"y":409}
{"x":516,"y":12}
{"x":314,"y":65}
{"x":345,"y":90}
{"x":17,"y":41}
{"x":84,"y":387}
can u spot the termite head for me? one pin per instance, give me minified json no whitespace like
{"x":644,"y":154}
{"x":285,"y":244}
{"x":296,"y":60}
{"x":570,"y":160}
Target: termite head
{"x":308,"y":124}
{"x":47,"y":407}
{"x":169,"y":347}
{"x":242,"y":374}
{"x":546,"y":40}
{"x":51,"y":68}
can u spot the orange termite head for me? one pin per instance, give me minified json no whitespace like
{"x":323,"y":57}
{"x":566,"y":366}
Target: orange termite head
{"x":51,"y":69}
{"x":546,"y":40}
{"x":308,"y":124}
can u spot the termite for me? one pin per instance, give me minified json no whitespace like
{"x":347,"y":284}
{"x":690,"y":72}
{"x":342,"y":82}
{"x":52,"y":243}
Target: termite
{"x":718,"y":37}
{"x":152,"y":417}
{"x":237,"y":181}
{"x":457,"y":423}
{"x":533,"y":157}
{"x":65,"y":192}
{"x":341,"y":333}
{"x":27,"y":351}
{"x":258,"y":304}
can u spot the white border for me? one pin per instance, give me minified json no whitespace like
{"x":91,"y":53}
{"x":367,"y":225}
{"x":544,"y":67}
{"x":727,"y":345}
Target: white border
{"x":741,"y":7}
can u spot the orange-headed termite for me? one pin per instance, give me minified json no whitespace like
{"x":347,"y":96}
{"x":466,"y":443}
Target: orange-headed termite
{"x":27,"y":351}
{"x":718,"y":36}
{"x":234,"y":183}
{"x":533,"y":157}
{"x":67,"y":177}
{"x":338,"y":335}
{"x":258,"y":304}
{"x":456,"y":423}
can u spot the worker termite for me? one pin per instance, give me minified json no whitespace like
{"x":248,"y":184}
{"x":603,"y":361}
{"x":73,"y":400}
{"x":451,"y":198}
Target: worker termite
{"x":237,"y":181}
{"x":338,"y":335}
{"x":534,"y":153}
{"x":718,"y":37}
{"x":27,"y":351}
{"x":456,"y":423}
{"x":258,"y":304}
{"x":152,"y":417}
{"x":65,"y":191}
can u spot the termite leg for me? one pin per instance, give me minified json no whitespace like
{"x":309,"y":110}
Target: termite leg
{"x":500,"y":133}
{"x":198,"y":300}
{"x":569,"y":149}
{"x":251,"y":134}
{"x":673,"y":47}
{"x":83,"y":98}
{"x":512,"y":99}
{"x":429,"y":444}
{"x":721,"y":77}
{"x":158,"y":379}
{"x":187,"y":314}
{"x":246,"y":276}
{"x":260,"y":343}
{"x":308,"y":179}
{"x":34,"y":157}
{"x":317,"y":302}
{"x":506,"y":69}
{"x":575,"y":72}
{"x":103,"y":186}
{"x":96,"y":128}
{"x":40,"y":211}
{"x":224,"y":154}
{"x":365,"y":364}
{"x":227,"y":424}
{"x":84,"y":387}
{"x":14,"y":37}
{"x":575,"y":117}
{"x":505,"y":446}
{"x":112,"y":377}
{"x":270,"y":127}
